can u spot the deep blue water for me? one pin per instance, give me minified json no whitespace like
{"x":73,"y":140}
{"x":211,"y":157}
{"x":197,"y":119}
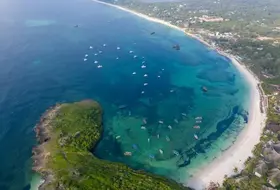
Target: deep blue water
{"x":42,"y":63}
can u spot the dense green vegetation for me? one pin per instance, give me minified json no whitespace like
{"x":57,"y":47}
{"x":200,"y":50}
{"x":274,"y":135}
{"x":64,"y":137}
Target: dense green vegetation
{"x":70,"y":164}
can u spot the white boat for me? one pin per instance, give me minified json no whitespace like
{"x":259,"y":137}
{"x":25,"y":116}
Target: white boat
{"x":145,"y":75}
{"x":134,"y":56}
{"x":176,"y":121}
{"x":95,"y":62}
{"x":195,"y":136}
{"x":117,"y":58}
{"x":198,"y":121}
{"x":95,"y":54}
{"x":99,"y":66}
{"x":85,"y":59}
{"x":158,"y":136}
{"x":100,"y":51}
{"x":86,"y":55}
{"x":169,"y":126}
{"x":127,"y":153}
{"x":148,"y":139}
{"x":144,"y":128}
{"x":171,"y":90}
{"x":90,"y":47}
{"x":134,"y":73}
{"x":142,"y":92}
{"x":162,"y":69}
{"x":104,"y":45}
{"x":118,"y":48}
{"x":198,"y":118}
{"x":143,"y":62}
{"x":184,"y":114}
{"x":130,"y":51}
{"x":145,"y":84}
{"x":143,"y":66}
{"x":160,"y":151}
{"x":160,"y":122}
{"x":167,"y":138}
{"x":158,"y":76}
{"x":117,"y":137}
{"x":176,"y":152}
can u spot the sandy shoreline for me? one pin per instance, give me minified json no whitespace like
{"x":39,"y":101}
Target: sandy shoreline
{"x":236,"y":155}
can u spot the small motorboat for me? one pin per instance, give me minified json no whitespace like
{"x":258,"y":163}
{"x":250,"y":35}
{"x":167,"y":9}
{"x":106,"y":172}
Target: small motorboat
{"x":176,"y":121}
{"x":171,"y":90}
{"x":100,"y":51}
{"x":117,"y":137}
{"x":90,"y":47}
{"x":148,"y":140}
{"x":160,"y":151}
{"x":95,"y":62}
{"x":195,"y":136}
{"x":117,"y":58}
{"x":169,"y":126}
{"x":99,"y":66}
{"x":127,"y":153}
{"x":198,"y":121}
{"x":118,"y":48}
{"x":158,"y":136}
{"x":95,"y":54}
{"x":143,"y":66}
{"x":158,"y":76}
{"x":196,"y":127}
{"x":104,"y":45}
{"x":167,"y":138}
{"x":145,"y":84}
{"x":130,"y":51}
{"x":204,"y":89}
{"x":176,"y":47}
{"x":184,"y":114}
{"x":134,"y":73}
{"x":142,"y":92}
{"x":145,"y":75}
{"x":134,"y":56}
{"x":143,"y":128}
{"x":151,"y":156}
{"x":198,"y":118}
{"x":85,"y":59}
{"x":86,"y":55}
{"x":176,"y":152}
{"x":144,"y":121}
{"x":160,"y":122}
{"x":143,"y":61}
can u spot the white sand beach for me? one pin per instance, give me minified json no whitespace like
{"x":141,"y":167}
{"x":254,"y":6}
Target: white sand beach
{"x":236,"y":155}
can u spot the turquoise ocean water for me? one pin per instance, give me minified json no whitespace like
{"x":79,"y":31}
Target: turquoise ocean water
{"x":142,"y":80}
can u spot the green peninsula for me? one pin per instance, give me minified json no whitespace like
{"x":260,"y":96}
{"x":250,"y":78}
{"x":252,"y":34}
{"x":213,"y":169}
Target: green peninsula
{"x":67,"y":133}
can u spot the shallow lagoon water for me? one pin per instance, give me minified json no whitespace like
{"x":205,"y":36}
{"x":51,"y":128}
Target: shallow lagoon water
{"x":43,"y":65}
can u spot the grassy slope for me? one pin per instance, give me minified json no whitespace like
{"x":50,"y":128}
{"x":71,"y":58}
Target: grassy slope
{"x":74,"y":166}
